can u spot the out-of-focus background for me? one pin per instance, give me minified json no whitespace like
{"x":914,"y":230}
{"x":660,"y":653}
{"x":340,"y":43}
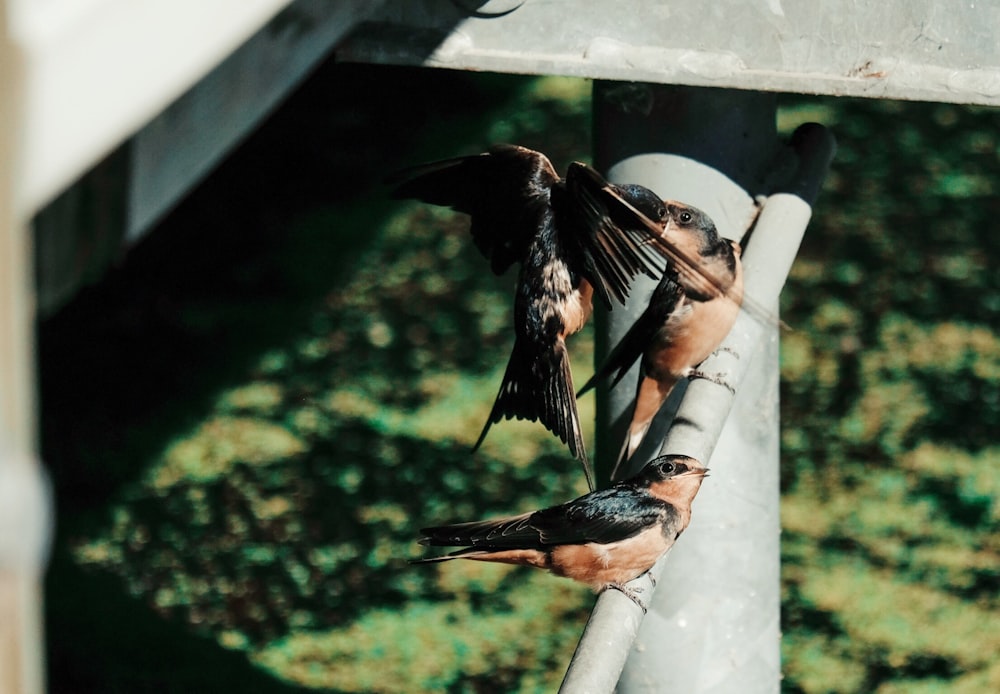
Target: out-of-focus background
{"x":249,"y":418}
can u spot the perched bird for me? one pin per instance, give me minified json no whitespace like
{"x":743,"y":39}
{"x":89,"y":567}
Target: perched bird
{"x":573,"y":238}
{"x":604,"y":539}
{"x":688,"y":316}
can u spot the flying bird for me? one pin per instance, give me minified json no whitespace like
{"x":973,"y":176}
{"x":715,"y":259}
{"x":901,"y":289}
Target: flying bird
{"x":688,"y":316}
{"x":573,"y":237}
{"x":604,"y":539}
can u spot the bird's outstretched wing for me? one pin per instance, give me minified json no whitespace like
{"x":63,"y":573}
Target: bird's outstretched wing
{"x":688,"y":266}
{"x":612,"y":239}
{"x":539,"y":387}
{"x":506,"y":191}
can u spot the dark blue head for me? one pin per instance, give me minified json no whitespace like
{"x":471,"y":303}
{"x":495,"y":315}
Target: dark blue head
{"x":644,"y":200}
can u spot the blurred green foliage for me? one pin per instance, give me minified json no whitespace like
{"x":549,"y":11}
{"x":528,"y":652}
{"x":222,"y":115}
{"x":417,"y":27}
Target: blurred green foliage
{"x":890,"y":405}
{"x":249,"y":422}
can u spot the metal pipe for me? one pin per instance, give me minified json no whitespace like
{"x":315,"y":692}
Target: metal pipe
{"x":714,"y":623}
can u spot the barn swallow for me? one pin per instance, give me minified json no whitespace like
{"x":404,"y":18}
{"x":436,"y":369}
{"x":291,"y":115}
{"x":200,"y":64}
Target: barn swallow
{"x":604,"y":539}
{"x":573,"y":238}
{"x":688,"y":316}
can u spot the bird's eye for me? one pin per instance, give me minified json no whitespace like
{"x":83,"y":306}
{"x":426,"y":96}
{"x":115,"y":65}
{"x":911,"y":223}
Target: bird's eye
{"x":685,"y":217}
{"x":666,"y":468}
{"x":661,"y":213}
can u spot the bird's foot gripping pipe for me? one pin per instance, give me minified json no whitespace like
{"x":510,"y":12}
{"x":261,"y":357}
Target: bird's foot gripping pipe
{"x":727,"y":350}
{"x":717,"y":378}
{"x":630,"y":593}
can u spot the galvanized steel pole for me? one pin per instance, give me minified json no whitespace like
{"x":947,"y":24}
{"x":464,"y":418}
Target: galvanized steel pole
{"x":713,"y":623}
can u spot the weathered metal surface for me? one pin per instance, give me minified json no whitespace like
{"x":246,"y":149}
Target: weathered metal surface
{"x":713,"y":622}
{"x":924,"y":50}
{"x":183,"y":142}
{"x":82,"y":229}
{"x":95,"y":72}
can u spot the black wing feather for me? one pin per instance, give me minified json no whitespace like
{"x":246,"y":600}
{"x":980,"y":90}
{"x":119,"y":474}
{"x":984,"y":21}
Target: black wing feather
{"x":540,"y":388}
{"x":506,"y":191}
{"x":666,"y":298}
{"x":611,"y":239}
{"x":480,"y":533}
{"x":604,"y":516}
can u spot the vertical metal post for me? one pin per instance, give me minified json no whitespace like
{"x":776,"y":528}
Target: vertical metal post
{"x":23,"y":493}
{"x":713,"y":623}
{"x":732,"y":134}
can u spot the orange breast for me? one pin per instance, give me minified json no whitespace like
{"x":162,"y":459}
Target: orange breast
{"x":618,"y":562}
{"x":694,"y":332}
